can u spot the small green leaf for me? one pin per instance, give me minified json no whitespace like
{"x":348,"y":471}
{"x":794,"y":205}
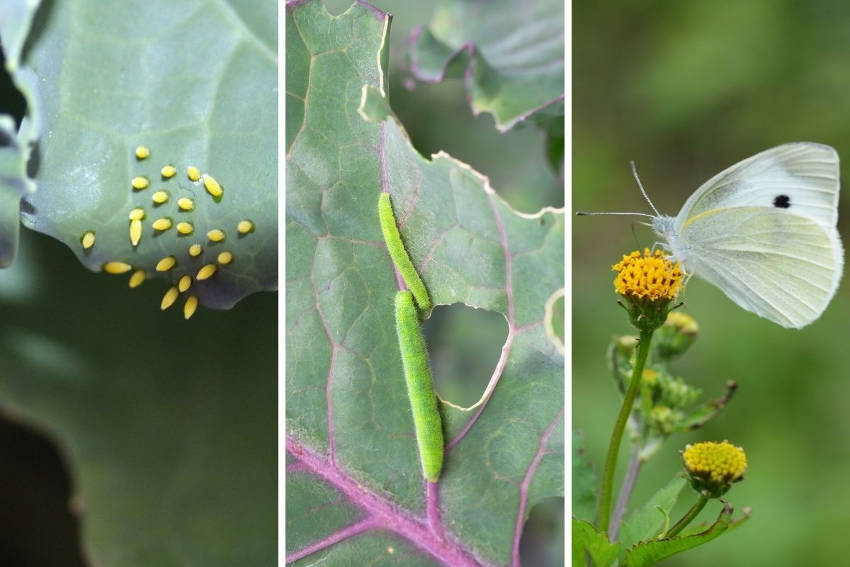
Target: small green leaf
{"x":648,"y":521}
{"x":707,"y":411}
{"x":584,"y":482}
{"x":512,"y":57}
{"x":586,"y":539}
{"x":651,"y":552}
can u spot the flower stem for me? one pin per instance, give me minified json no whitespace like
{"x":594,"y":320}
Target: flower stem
{"x":626,"y":489}
{"x":689,"y":516}
{"x":617,"y":435}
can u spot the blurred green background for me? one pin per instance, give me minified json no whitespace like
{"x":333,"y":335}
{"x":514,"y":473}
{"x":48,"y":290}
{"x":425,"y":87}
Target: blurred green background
{"x":464,"y":344}
{"x":687,"y":89}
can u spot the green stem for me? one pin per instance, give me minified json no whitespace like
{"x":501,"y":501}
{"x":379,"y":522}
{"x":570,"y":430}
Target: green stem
{"x":689,"y":516}
{"x":617,"y":435}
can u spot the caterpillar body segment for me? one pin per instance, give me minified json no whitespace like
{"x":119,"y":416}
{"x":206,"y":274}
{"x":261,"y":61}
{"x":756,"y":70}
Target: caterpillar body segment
{"x":420,"y":387}
{"x":398,"y":253}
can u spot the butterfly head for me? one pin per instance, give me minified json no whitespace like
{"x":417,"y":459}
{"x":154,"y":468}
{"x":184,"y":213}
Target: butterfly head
{"x":664,"y":225}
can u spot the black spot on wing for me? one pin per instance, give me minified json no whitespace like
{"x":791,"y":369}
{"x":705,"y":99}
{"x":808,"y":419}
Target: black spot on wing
{"x":782,"y":201}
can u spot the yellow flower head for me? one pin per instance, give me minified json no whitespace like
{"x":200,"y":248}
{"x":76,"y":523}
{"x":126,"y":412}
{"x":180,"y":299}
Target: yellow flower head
{"x":651,"y":276}
{"x":649,"y":283}
{"x":714,"y":466}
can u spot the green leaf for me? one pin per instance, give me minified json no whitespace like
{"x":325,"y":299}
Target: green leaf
{"x":584,"y":482}
{"x":348,"y":415}
{"x":512,"y":57}
{"x":648,"y":521}
{"x":193,"y":81}
{"x":651,"y":552}
{"x":586,"y":539}
{"x":15,"y":146}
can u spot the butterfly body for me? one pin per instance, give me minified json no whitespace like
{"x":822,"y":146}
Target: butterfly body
{"x":764,"y":232}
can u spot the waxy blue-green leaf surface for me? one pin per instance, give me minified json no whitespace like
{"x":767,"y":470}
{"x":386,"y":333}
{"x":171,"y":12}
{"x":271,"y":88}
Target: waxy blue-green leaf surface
{"x":510,"y":54}
{"x":196,"y":82}
{"x":350,"y":427}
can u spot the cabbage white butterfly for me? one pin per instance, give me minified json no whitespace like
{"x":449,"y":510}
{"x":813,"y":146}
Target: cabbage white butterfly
{"x":764,"y":232}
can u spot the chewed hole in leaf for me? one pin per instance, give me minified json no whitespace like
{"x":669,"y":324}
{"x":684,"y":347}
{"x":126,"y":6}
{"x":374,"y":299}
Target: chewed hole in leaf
{"x":553,"y":319}
{"x":464,"y":345}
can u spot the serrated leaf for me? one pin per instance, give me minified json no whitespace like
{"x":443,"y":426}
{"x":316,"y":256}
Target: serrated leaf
{"x":348,"y":415}
{"x":586,"y":539}
{"x":195,"y":82}
{"x":511,"y":57}
{"x":584,"y":482}
{"x":651,"y":552}
{"x":648,"y":521}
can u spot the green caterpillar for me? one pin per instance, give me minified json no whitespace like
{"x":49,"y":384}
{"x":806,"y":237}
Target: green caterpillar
{"x":399,"y":253}
{"x":420,"y":389}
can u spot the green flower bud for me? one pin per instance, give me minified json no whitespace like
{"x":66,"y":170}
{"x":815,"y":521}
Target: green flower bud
{"x":678,"y":333}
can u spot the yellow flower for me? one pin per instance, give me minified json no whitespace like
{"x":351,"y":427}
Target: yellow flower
{"x":648,"y":283}
{"x":714,"y":466}
{"x":651,"y":276}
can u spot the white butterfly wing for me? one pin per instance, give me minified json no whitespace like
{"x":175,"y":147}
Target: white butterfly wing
{"x":801,"y":177}
{"x":780,"y":265}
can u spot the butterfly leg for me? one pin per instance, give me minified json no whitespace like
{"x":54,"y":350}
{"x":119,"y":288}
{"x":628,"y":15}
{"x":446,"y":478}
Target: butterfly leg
{"x":656,"y":244}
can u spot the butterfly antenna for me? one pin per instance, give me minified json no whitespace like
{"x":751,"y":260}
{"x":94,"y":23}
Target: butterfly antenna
{"x":587,"y":214}
{"x":640,"y":185}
